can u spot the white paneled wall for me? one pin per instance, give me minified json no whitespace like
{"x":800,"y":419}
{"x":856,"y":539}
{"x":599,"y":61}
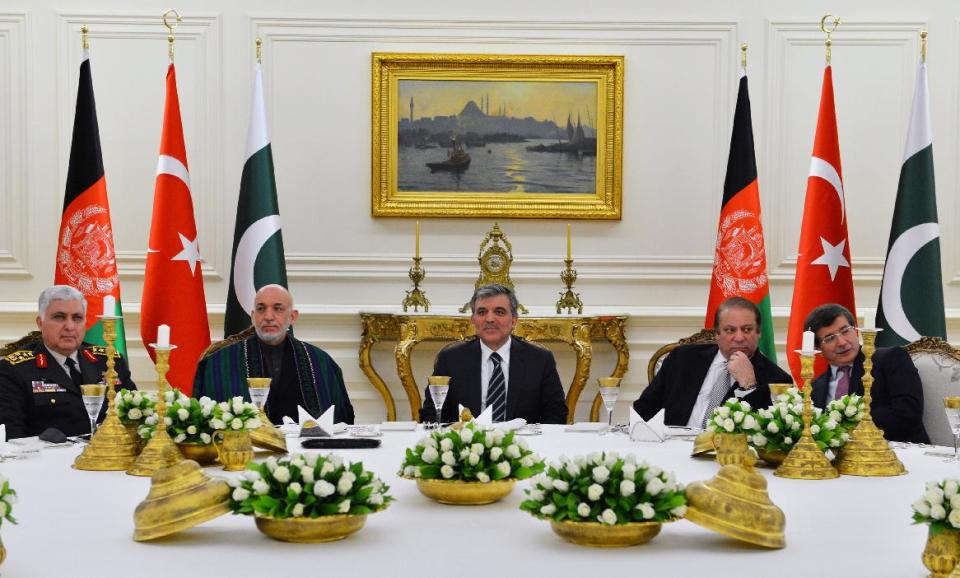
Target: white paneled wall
{"x":680,"y":88}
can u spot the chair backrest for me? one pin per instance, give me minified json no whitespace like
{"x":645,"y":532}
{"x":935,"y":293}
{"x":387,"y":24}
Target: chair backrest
{"x":218,"y":345}
{"x":28,"y":339}
{"x":658,"y":357}
{"x":939,"y":366}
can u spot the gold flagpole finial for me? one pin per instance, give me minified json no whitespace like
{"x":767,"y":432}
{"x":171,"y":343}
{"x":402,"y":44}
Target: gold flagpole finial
{"x":170,"y":28}
{"x":259,"y":48}
{"x":743,"y":55}
{"x":923,"y":46}
{"x":83,"y":35}
{"x":828,"y":31}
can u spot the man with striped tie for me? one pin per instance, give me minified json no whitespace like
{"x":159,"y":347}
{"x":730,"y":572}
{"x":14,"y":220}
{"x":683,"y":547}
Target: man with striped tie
{"x":498,"y":370}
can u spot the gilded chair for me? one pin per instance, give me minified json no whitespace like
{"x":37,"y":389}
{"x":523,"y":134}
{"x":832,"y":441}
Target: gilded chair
{"x":938,"y":363}
{"x":218,"y":345}
{"x":26,"y":340}
{"x":658,"y":357}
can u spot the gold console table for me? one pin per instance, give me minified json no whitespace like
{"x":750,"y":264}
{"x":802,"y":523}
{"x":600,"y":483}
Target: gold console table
{"x":410,"y":329}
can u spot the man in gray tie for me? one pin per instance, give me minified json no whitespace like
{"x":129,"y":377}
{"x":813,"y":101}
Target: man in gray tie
{"x":897,"y":393}
{"x":696,"y":378}
{"x":497,"y":369}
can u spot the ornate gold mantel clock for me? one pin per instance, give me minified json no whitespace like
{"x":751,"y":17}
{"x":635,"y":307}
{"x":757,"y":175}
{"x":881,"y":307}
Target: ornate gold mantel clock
{"x":495,"y":257}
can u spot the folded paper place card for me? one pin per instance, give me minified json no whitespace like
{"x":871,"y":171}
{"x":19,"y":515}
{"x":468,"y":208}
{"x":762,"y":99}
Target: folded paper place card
{"x":398,"y":426}
{"x":586,"y":426}
{"x":647,"y":431}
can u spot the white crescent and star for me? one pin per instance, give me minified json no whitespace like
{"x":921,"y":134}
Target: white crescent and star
{"x":832,"y":257}
{"x":190,"y":252}
{"x":253,"y":239}
{"x":901,"y":253}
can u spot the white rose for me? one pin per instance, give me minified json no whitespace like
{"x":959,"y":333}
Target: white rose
{"x":749,"y":423}
{"x":297,"y":510}
{"x":504,"y":468}
{"x":483,"y":477}
{"x":527,"y":461}
{"x":738,"y":416}
{"x":375,"y":499}
{"x":679,"y":511}
{"x":646,"y":510}
{"x":168,"y":421}
{"x":796,"y":425}
{"x":473,"y":459}
{"x":323,"y":488}
{"x":428,"y":442}
{"x":240,"y":494}
{"x":238,"y":404}
{"x":629,"y":471}
{"x":937,"y":512}
{"x":251,"y":476}
{"x":495,"y":453}
{"x":787,"y":440}
{"x":344,"y":507}
{"x":466,"y":435}
{"x":835,"y":416}
{"x":476,"y":448}
{"x":430,"y":455}
{"x":745,"y":405}
{"x":600,"y":474}
{"x":594,"y":492}
{"x":215,"y":423}
{"x":934,"y":496}
{"x":723,"y":411}
{"x":236,"y":423}
{"x":408,"y":471}
{"x":955,"y":502}
{"x":134,"y":414}
{"x":814,"y":429}
{"x":759,"y":440}
{"x":561,"y":486}
{"x":446,"y":471}
{"x":545,"y":481}
{"x":595,"y":458}
{"x":950,"y":488}
{"x":261,"y":487}
{"x":513,"y":451}
{"x":281,"y":474}
{"x":179,"y":438}
{"x":583,"y":510}
{"x":446,"y":444}
{"x":295,"y":487}
{"x":608,"y":517}
{"x":728,"y":425}
{"x":548,"y":510}
{"x":654,"y":486}
{"x":627,"y":488}
{"x":183,"y":414}
{"x":252,"y":423}
{"x":610,"y":459}
{"x":789,"y":419}
{"x":498,"y":436}
{"x":772,"y":427}
{"x":954,"y":518}
{"x":573,"y":469}
{"x":192,"y":429}
{"x":271,"y":463}
{"x":535,"y":495}
{"x":448,"y":457}
{"x":345,"y":483}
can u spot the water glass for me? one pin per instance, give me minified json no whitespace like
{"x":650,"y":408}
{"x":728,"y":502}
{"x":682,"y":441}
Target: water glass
{"x":951,"y":404}
{"x":93,"y":394}
{"x":609,"y":392}
{"x":439,"y":385}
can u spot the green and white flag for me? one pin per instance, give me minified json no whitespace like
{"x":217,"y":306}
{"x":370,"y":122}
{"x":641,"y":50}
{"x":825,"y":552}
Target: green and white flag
{"x":911,"y":297}
{"x":257,"y":239}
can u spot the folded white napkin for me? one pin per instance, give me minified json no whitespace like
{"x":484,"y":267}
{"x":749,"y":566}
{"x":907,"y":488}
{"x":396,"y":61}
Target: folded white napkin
{"x":485,"y":417}
{"x":325,"y":422}
{"x":647,"y":431}
{"x":398,"y":426}
{"x":515,"y":423}
{"x":586,"y":426}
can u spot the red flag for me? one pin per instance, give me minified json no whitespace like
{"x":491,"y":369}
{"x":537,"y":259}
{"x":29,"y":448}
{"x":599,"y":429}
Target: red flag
{"x":173,"y":286}
{"x":824,"y":274}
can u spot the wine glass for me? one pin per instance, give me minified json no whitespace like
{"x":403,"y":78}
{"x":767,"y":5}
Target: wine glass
{"x":92,"y":394}
{"x":951,"y":404}
{"x":609,"y":391}
{"x":439,"y":386}
{"x":259,"y":388}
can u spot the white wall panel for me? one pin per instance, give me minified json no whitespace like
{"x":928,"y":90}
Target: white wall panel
{"x":13,"y":146}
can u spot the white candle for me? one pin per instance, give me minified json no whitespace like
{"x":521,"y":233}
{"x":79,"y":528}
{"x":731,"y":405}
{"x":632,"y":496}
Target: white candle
{"x":163,"y":336}
{"x":870,"y":319}
{"x":109,"y":306}
{"x":807,"y":346}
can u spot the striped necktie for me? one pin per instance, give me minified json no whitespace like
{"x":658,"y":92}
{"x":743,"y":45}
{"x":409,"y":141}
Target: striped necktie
{"x":497,"y":390}
{"x":718,"y":394}
{"x":843,"y":382}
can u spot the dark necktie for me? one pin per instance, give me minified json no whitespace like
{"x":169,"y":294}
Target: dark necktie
{"x":497,"y":389}
{"x":75,"y":376}
{"x":843,"y":383}
{"x":718,"y":393}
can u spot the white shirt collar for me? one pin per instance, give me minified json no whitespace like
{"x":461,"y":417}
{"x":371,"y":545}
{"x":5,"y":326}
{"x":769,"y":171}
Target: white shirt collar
{"x":504,"y":351}
{"x":62,"y":359}
{"x":718,"y":359}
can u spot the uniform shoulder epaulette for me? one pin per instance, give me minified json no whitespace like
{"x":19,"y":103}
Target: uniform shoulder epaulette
{"x":101,"y":350}
{"x":20,"y":356}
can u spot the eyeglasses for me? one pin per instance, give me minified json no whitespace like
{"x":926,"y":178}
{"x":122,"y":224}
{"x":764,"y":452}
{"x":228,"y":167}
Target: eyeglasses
{"x":831,"y":338}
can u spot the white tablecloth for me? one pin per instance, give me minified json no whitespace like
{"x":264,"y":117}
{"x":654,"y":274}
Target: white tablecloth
{"x":78,"y":523}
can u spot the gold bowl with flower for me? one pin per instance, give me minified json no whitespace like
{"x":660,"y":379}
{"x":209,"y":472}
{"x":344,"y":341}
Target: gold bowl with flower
{"x":462,"y":493}
{"x":703,"y":444}
{"x":203,"y":454}
{"x":597,"y":535}
{"x":311,"y":530}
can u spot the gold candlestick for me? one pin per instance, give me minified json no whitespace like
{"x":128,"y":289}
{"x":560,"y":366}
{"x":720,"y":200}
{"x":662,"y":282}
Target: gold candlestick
{"x":867,"y":453}
{"x":806,"y":461}
{"x":417,"y":298}
{"x":160,"y":452}
{"x":113,"y":447}
{"x":568,"y":299}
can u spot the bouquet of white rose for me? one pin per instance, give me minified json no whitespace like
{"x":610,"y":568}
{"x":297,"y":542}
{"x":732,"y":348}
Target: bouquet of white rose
{"x":309,"y":486}
{"x":475,"y":453}
{"x":236,"y":415}
{"x":939,"y":507}
{"x":193,"y":421}
{"x":133,"y":407}
{"x":607,"y":489}
{"x":8,"y":497}
{"x":734,"y":416}
{"x":781,"y":425}
{"x":847,"y":411}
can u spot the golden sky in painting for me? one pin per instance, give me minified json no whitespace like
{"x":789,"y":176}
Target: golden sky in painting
{"x":539,"y":99}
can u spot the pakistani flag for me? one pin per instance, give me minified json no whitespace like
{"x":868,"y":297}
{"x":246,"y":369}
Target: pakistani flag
{"x":257,"y":241}
{"x":911,"y":297}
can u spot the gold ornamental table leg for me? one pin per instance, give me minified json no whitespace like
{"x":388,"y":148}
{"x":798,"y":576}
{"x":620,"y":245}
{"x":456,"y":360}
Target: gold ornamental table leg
{"x":584,"y":350}
{"x":160,"y":452}
{"x":612,"y":329}
{"x":409,"y":338}
{"x":113,"y":447}
{"x":371,"y":336}
{"x":806,"y":461}
{"x":867,"y":452}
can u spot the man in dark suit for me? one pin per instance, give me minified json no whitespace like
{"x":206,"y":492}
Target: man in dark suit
{"x":516,"y":378}
{"x":897,"y":394}
{"x":694,"y":379}
{"x":40,"y":382}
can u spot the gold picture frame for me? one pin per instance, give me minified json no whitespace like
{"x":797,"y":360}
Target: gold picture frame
{"x":514,"y":156}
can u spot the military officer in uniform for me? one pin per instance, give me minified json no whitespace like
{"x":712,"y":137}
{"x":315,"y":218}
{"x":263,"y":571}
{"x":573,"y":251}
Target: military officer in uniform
{"x":40,"y":382}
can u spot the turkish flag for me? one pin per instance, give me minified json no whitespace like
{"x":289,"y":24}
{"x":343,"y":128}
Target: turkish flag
{"x":824,"y":274}
{"x":173,"y":286}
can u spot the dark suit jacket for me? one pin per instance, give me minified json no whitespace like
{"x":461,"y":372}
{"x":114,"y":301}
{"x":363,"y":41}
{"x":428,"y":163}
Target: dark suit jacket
{"x":27,"y":411}
{"x":534,"y":391}
{"x":897,"y":406}
{"x":677,"y":384}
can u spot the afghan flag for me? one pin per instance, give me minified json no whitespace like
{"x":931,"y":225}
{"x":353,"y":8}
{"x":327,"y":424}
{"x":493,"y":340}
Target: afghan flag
{"x":86,"y":258}
{"x":911,"y":297}
{"x":173,"y":285}
{"x":257,"y":240}
{"x":740,"y":262}
{"x":823,"y":274}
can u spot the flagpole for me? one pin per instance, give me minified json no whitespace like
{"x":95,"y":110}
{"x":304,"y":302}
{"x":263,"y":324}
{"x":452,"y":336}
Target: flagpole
{"x":83,"y":35}
{"x":923,"y":46}
{"x":823,"y":28}
{"x":743,"y":56}
{"x":259,"y":49}
{"x":170,"y":28}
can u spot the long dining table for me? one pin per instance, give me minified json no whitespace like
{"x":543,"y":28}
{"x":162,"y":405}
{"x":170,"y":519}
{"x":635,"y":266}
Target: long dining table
{"x":80,"y":523}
